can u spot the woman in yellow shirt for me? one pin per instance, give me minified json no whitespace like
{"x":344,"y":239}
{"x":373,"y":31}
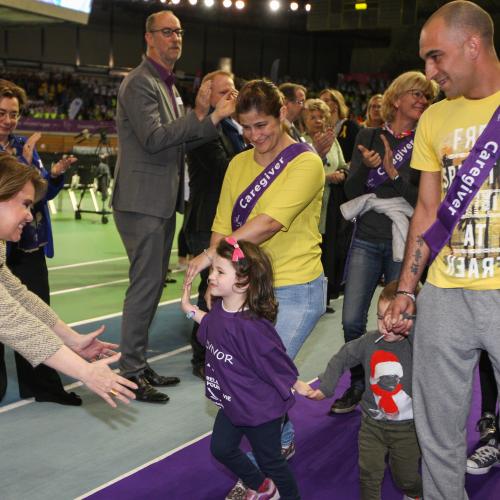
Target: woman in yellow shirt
{"x":272,"y":196}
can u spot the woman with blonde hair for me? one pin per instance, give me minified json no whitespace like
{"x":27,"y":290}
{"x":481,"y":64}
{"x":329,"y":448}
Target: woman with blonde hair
{"x":374,"y":112}
{"x":382,"y":194}
{"x":345,"y":129}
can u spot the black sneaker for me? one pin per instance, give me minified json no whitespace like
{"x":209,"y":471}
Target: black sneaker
{"x":484,"y":458}
{"x":486,"y":426}
{"x":348,"y":401}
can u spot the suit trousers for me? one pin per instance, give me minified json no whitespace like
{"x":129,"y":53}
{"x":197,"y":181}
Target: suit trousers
{"x":148,"y":242}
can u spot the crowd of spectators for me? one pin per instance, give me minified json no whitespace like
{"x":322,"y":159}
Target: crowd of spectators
{"x":63,"y":95}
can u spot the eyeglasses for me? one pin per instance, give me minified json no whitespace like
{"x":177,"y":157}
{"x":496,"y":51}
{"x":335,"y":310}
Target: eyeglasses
{"x":168,"y":32}
{"x":300,"y":102}
{"x":418,"y":94}
{"x":14,"y":115}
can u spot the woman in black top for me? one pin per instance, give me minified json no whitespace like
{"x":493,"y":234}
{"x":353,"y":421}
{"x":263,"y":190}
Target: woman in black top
{"x":371,"y":255}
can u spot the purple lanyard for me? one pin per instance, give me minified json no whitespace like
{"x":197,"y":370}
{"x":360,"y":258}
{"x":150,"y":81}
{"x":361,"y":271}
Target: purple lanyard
{"x":247,"y":200}
{"x":471,"y":176}
{"x":400,"y":156}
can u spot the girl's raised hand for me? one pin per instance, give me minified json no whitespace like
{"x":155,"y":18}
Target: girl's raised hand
{"x":186,"y":298}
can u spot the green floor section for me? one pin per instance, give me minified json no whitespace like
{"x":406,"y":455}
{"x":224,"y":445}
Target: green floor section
{"x":91,"y":289}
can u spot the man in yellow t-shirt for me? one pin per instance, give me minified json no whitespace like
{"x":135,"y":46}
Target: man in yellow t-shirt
{"x":459,"y":306}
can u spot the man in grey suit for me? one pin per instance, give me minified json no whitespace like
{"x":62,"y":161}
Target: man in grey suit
{"x":154,"y":134}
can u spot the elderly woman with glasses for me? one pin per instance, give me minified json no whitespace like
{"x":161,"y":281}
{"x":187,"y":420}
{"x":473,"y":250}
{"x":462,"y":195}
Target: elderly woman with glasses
{"x":334,"y":229}
{"x":345,"y":129}
{"x":382,"y":190}
{"x":26,"y":257}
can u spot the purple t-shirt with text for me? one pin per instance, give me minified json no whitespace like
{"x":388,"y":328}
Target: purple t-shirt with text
{"x":248,"y":373}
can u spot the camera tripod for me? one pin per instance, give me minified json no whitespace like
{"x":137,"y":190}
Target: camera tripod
{"x":103,"y":175}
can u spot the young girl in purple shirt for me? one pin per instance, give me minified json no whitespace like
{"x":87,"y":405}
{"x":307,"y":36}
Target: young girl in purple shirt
{"x":248,"y":373}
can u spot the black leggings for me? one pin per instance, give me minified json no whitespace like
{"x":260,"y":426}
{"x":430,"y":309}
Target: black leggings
{"x":265,"y":440}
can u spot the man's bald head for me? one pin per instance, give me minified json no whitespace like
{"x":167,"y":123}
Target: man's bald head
{"x":465,"y":18}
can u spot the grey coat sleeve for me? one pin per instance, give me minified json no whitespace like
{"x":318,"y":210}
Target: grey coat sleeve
{"x":139,"y":101}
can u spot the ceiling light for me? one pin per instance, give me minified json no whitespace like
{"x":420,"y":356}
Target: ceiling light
{"x":308,"y":7}
{"x":193,"y":2}
{"x":239,"y":4}
{"x":274,"y":5}
{"x":294,"y":6}
{"x":208,"y":3}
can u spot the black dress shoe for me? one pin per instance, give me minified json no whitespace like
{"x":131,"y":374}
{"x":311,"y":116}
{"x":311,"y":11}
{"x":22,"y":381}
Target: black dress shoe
{"x":62,"y":398}
{"x":329,"y":310}
{"x":146,"y":392}
{"x":159,"y":380}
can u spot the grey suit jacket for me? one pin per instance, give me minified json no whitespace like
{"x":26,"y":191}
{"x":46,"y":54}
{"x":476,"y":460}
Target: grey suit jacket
{"x":152,"y":143}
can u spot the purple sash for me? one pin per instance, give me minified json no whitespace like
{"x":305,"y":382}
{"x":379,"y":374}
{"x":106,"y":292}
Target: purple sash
{"x":248,"y":198}
{"x":473,"y":172}
{"x":400,"y":156}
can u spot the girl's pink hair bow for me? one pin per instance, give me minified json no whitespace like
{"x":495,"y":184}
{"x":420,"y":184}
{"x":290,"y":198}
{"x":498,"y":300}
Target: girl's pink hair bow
{"x":237,"y":252}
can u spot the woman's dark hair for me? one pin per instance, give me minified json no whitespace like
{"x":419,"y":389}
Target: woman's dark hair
{"x":255,"y":271}
{"x":11,"y":90}
{"x":14,"y":175}
{"x":261,"y":95}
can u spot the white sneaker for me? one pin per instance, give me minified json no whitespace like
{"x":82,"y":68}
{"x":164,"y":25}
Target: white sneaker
{"x":238,"y":491}
{"x":484,"y":458}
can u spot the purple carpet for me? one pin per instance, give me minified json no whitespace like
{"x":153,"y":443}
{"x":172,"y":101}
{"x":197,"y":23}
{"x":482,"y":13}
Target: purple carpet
{"x":325,"y":464}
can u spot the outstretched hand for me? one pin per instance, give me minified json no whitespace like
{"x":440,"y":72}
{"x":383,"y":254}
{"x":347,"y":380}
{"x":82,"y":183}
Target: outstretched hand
{"x":90,"y":347}
{"x":107,"y":384}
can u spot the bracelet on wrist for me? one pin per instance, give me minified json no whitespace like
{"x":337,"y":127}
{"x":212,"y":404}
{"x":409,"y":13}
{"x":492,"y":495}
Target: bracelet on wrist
{"x":395,"y":178}
{"x":191,"y":314}
{"x":205,"y":251}
{"x":408,"y":294}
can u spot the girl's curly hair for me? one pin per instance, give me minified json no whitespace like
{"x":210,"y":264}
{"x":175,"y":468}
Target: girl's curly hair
{"x":255,"y":271}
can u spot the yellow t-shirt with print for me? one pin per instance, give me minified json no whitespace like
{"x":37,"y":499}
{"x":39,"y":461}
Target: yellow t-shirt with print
{"x":294,"y":200}
{"x":446,"y":133}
